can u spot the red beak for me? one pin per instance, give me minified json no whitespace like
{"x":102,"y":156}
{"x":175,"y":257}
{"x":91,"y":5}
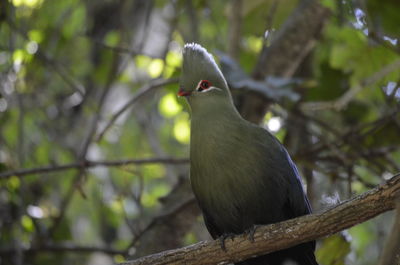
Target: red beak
{"x":183,"y":93}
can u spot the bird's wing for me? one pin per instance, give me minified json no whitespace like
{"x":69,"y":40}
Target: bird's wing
{"x":298,"y":204}
{"x":298,"y":200}
{"x":281,"y":167}
{"x":210,"y":224}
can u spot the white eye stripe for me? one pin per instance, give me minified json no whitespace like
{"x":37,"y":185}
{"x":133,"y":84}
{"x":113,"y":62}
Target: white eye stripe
{"x":209,"y":89}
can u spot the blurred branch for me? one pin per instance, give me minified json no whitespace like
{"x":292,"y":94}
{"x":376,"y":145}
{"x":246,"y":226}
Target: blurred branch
{"x":352,"y":138}
{"x":194,"y":35}
{"x":303,"y":28}
{"x":270,"y":238}
{"x":90,"y":163}
{"x":66,"y":200}
{"x":384,"y":43}
{"x":103,"y":96}
{"x":235,"y":23}
{"x":270,"y":22}
{"x":167,"y":229}
{"x":345,"y":99}
{"x":123,"y":50}
{"x":61,"y":248}
{"x":391,"y":251}
{"x":282,"y":58}
{"x":157,"y":83}
{"x":78,"y":180}
{"x":163,"y":216}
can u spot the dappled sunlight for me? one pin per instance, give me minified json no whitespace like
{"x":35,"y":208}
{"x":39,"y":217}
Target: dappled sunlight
{"x":169,"y":106}
{"x":29,"y":3}
{"x":182,"y":128}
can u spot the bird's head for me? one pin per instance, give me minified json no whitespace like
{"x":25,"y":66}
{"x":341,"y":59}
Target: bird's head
{"x":201,"y":77}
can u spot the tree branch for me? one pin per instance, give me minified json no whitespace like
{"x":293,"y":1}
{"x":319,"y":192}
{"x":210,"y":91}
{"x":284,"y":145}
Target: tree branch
{"x":157,"y":83}
{"x":235,"y":24}
{"x":282,"y":58}
{"x":342,"y":102}
{"x":391,"y":252}
{"x":90,"y":163}
{"x":303,"y":28}
{"x":285,"y":234}
{"x":62,"y":248}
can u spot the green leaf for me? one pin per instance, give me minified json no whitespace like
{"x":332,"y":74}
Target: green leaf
{"x":169,"y":106}
{"x":385,"y":13}
{"x":332,"y":83}
{"x":76,"y":22}
{"x":27,"y":223}
{"x":333,"y":250}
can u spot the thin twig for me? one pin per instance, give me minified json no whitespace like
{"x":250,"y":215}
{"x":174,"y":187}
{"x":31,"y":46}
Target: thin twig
{"x":90,"y":163}
{"x":269,"y":33}
{"x":345,"y":99}
{"x":139,"y":94}
{"x":385,"y":43}
{"x":76,"y":183}
{"x":159,"y":218}
{"x":62,"y":248}
{"x":123,"y":50}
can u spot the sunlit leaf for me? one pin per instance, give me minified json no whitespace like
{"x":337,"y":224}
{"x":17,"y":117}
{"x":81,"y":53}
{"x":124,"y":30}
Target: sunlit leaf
{"x":112,"y":38}
{"x":27,"y":223}
{"x":190,"y":238}
{"x":29,"y":3}
{"x":13,"y":183}
{"x":169,"y":106}
{"x":155,"y":67}
{"x":254,"y":43}
{"x":75,"y":22}
{"x":119,"y":259}
{"x":333,"y":250}
{"x":173,"y":59}
{"x":182,"y":128}
{"x":36,"y":35}
{"x":150,"y":198}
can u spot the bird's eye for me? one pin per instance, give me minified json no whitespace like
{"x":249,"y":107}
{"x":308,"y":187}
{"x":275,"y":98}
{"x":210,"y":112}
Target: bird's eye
{"x":203,"y":85}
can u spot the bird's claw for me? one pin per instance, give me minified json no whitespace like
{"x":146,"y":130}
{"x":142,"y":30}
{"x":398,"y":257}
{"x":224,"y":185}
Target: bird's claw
{"x":222,"y":240}
{"x":250,"y":232}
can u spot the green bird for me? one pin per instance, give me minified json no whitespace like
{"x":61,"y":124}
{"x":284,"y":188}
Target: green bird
{"x":241,"y":174}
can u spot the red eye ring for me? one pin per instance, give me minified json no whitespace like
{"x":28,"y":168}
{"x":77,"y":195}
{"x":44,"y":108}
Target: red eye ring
{"x":203,"y":85}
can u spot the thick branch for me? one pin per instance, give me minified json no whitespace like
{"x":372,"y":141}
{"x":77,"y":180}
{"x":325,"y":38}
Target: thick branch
{"x":291,"y":44}
{"x":293,"y":41}
{"x":90,"y":163}
{"x":282,"y":235}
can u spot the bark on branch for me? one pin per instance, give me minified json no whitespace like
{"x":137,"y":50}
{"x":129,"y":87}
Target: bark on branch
{"x":282,"y":235}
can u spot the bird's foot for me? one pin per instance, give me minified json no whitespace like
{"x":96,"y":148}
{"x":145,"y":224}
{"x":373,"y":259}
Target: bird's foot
{"x":222,"y":239}
{"x":250,"y":232}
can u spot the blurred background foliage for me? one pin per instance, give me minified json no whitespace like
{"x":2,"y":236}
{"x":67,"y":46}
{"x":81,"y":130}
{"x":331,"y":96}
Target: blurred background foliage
{"x":92,"y":85}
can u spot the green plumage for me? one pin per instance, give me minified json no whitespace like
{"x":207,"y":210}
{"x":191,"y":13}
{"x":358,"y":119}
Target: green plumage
{"x":241,"y":175}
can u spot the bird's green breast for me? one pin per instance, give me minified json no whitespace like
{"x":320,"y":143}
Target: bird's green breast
{"x":226,"y":174}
